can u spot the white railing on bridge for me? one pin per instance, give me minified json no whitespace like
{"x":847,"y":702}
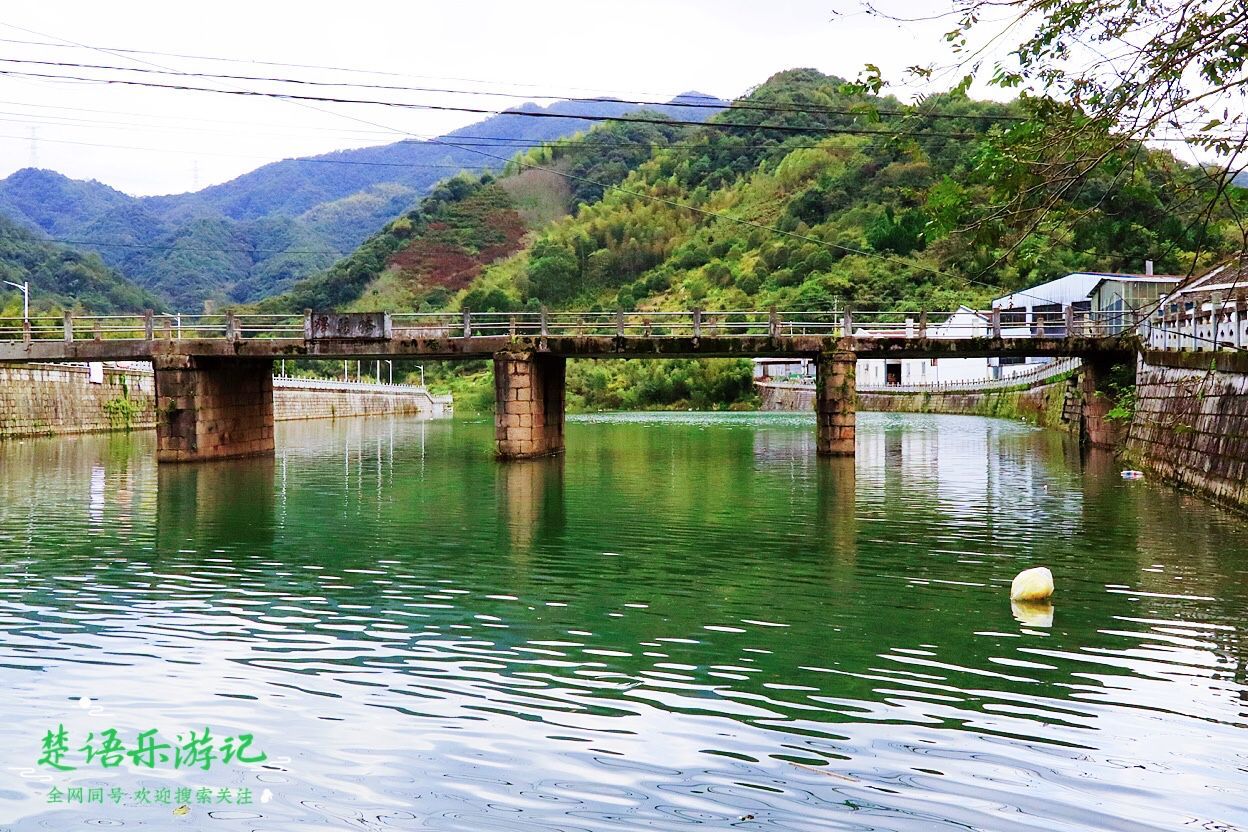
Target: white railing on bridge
{"x":695,"y":323}
{"x":144,"y":368}
{"x":305,"y":383}
{"x":1028,"y":378}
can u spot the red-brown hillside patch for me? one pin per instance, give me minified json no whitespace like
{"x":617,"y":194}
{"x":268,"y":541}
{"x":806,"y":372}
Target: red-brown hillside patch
{"x":466,"y":237}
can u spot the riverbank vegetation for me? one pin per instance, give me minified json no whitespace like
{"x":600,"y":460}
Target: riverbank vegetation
{"x":617,"y":384}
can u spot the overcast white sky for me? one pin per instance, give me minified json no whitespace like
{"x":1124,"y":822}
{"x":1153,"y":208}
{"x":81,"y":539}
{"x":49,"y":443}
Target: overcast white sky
{"x":167,"y":142}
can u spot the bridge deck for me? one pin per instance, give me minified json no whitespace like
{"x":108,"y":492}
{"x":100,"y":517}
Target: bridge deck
{"x":214,"y":385}
{"x":451,"y":336}
{"x":568,"y":346}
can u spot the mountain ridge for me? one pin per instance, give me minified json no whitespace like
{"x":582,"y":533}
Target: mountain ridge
{"x":329,"y":203}
{"x":806,"y":221}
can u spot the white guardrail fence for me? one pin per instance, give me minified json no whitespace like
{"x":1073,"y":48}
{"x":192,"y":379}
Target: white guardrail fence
{"x":1026,"y":378}
{"x":283,"y":381}
{"x":1194,"y":326}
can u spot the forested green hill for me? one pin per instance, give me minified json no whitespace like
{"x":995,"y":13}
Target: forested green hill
{"x":61,"y":278}
{"x":752,"y":217}
{"x":749,"y":216}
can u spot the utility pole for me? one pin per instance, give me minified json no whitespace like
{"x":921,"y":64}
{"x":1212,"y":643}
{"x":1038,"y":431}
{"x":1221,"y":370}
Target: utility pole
{"x":24,"y":286}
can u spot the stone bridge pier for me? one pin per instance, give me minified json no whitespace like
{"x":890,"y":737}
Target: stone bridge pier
{"x":528,"y":404}
{"x":836,"y":403}
{"x":1097,"y":399}
{"x":212,"y":408}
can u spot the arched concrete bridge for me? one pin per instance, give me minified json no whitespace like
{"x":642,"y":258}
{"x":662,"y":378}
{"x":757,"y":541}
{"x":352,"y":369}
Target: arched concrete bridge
{"x":214,"y":372}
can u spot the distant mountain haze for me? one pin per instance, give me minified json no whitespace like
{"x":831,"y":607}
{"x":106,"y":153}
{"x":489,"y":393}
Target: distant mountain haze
{"x":254,"y":236}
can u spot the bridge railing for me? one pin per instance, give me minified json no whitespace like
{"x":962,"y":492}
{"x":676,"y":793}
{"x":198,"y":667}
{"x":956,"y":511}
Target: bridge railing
{"x":693,"y":323}
{"x":1033,"y":376}
{"x":1027,"y":378}
{"x":623,"y":324}
{"x":304,"y":382}
{"x":150,"y":326}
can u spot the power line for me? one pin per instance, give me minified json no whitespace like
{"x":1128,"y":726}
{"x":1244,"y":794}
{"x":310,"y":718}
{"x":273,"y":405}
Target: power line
{"x":717,"y":125}
{"x":609,"y":142}
{"x":717,"y":106}
{"x":167,"y":246}
{"x":179,"y":118}
{"x":124,"y":53}
{"x":300,"y":160}
{"x":701,"y":211}
{"x":80,"y":123}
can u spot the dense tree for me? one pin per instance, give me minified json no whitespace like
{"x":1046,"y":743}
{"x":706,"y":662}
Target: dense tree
{"x":553,"y":271}
{"x":61,"y":278}
{"x":1096,"y":79}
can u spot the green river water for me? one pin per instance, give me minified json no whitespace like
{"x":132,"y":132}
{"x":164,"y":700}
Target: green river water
{"x":689,"y":621}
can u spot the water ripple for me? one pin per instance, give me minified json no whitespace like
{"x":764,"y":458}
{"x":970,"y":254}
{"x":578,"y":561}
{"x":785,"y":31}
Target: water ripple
{"x":691,"y":621}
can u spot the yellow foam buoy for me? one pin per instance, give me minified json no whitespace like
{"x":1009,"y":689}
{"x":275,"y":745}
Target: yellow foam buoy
{"x":1032,"y":585}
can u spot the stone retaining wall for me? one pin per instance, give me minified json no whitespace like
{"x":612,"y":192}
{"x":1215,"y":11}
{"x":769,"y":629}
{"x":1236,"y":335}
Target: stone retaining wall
{"x":44,"y":399}
{"x":1191,"y":422}
{"x":296,"y":403}
{"x":1055,"y":405}
{"x":779,"y":395}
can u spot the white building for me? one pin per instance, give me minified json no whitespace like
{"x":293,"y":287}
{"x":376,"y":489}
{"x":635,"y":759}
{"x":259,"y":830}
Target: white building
{"x":1022,"y":313}
{"x":964,"y":323}
{"x":784,"y":369}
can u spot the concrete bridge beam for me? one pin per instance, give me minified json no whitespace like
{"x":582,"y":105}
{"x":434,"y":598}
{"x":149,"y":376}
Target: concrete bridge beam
{"x":836,"y":403}
{"x":210,"y":408}
{"x":528,"y":404}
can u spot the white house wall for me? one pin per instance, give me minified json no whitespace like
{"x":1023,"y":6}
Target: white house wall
{"x":925,"y":370}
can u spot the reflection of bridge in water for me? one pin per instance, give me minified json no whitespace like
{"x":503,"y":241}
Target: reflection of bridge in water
{"x":214,"y":384}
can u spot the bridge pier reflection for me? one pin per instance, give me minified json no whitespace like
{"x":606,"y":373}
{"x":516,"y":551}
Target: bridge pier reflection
{"x":531,"y":504}
{"x":836,"y":501}
{"x":197,"y":506}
